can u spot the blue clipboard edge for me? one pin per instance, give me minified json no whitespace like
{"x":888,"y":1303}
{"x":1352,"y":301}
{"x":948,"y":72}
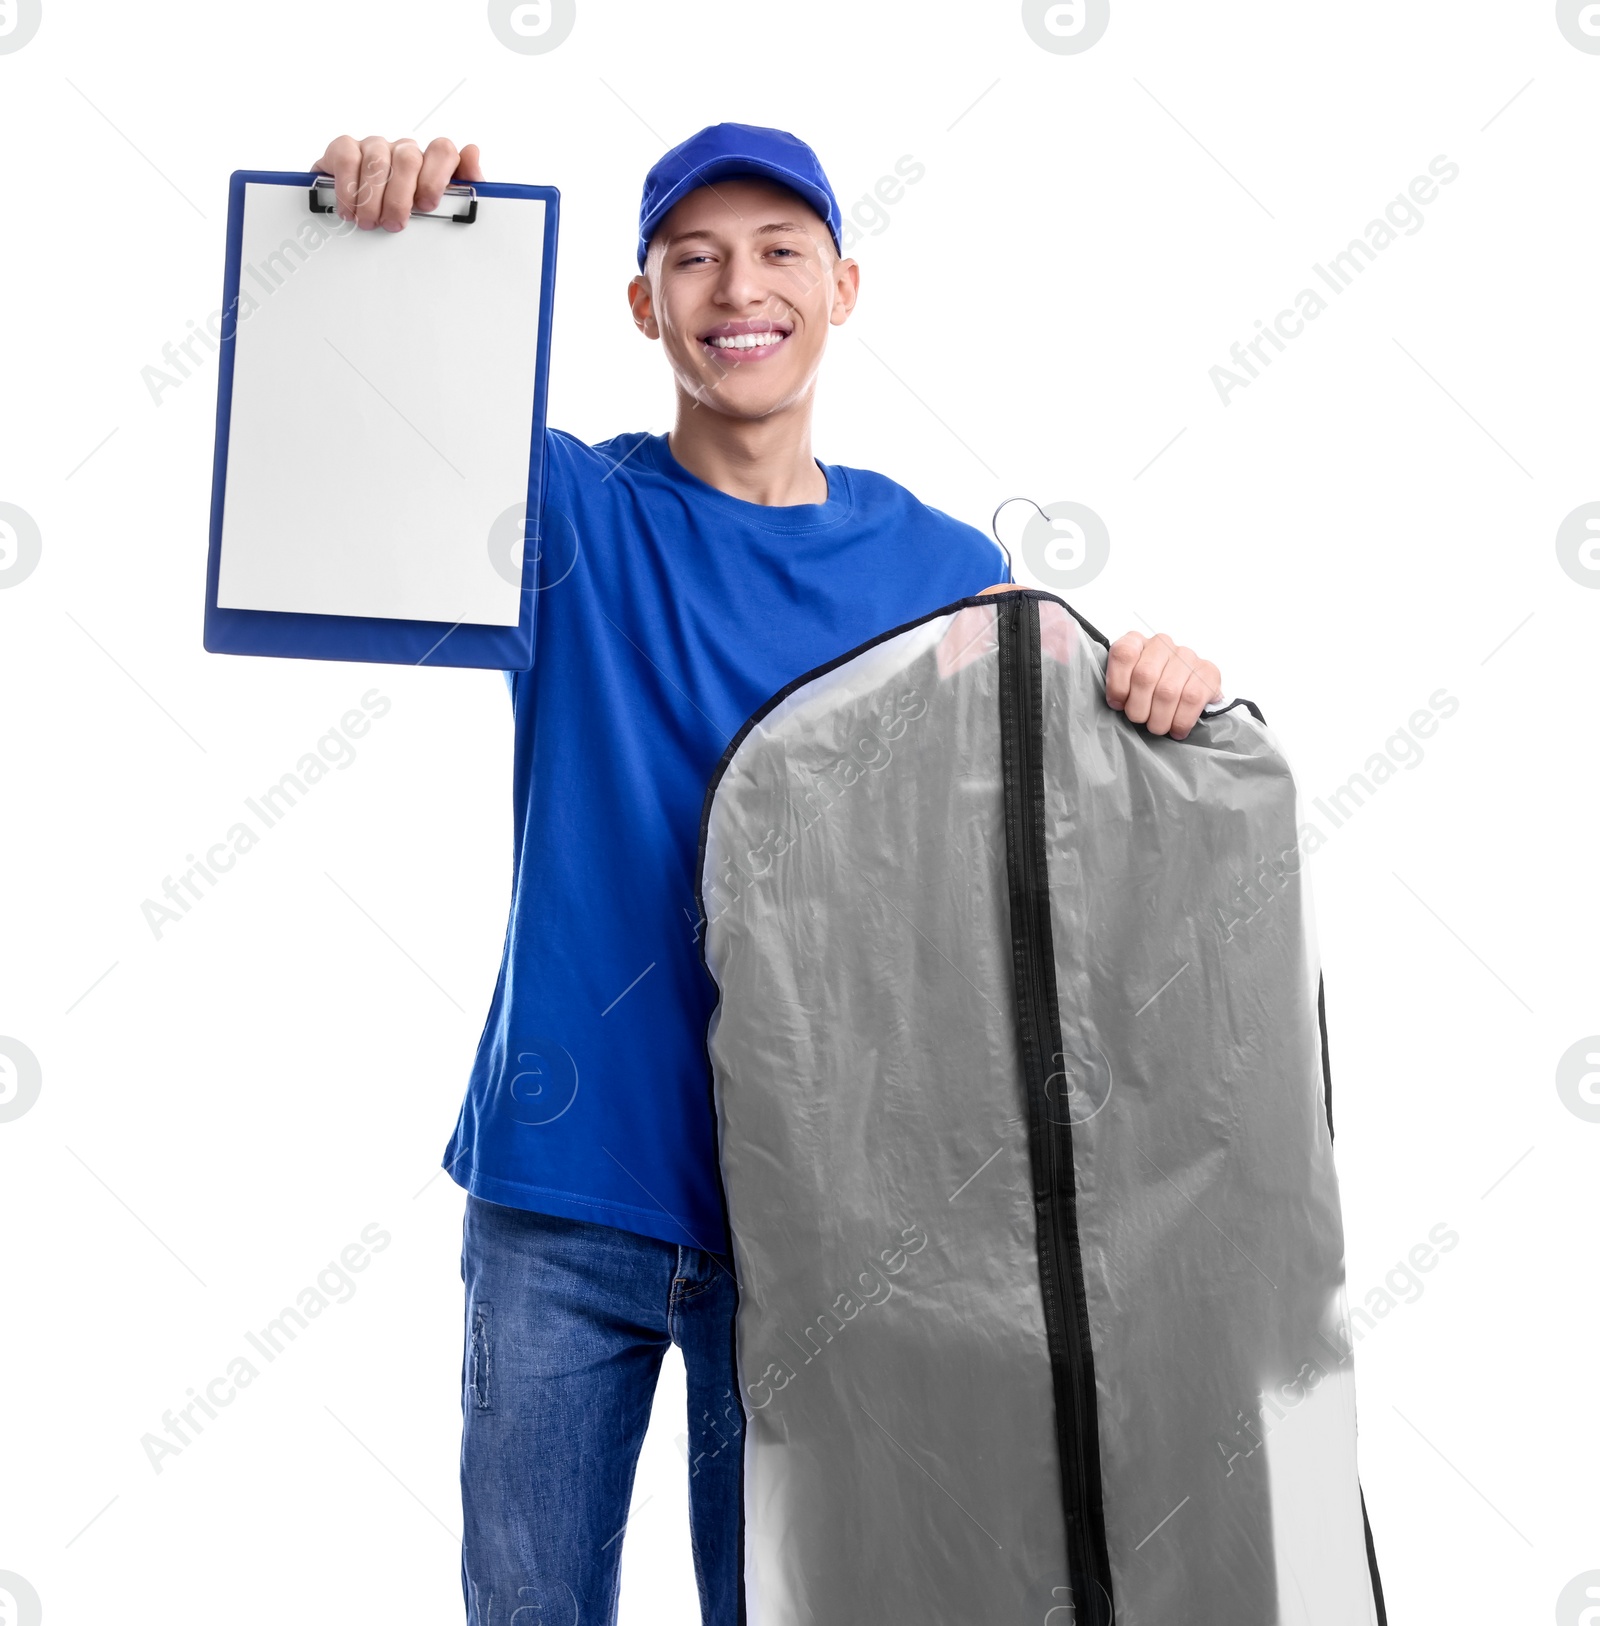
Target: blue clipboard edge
{"x":359,"y":638}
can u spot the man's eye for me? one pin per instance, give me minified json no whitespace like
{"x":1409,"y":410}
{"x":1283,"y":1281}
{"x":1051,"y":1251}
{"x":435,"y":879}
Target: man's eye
{"x":790,"y":251}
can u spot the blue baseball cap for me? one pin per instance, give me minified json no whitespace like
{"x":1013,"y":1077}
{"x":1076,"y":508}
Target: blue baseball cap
{"x":721,"y":150}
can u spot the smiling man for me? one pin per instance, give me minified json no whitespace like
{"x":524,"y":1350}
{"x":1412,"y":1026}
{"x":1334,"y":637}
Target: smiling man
{"x":688,"y":577}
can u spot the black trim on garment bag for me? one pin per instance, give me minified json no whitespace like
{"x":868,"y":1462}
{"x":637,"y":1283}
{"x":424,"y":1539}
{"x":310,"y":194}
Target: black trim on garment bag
{"x":1327,"y":1071}
{"x":1372,"y":1560}
{"x":1066,"y":1311}
{"x":1222,"y":711}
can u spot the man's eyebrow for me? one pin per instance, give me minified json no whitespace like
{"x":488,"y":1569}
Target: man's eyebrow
{"x":709,"y":236}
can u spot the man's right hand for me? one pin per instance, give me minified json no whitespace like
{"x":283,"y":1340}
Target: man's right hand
{"x":379,"y":183}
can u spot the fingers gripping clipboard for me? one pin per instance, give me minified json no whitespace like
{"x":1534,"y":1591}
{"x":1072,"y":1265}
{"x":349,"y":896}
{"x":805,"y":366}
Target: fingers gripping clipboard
{"x":379,"y":464}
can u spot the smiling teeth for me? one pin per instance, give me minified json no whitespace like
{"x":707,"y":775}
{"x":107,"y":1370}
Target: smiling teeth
{"x":747,"y":341}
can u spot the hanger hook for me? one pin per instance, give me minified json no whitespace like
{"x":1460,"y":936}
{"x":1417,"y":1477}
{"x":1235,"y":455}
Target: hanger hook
{"x":994,"y":526}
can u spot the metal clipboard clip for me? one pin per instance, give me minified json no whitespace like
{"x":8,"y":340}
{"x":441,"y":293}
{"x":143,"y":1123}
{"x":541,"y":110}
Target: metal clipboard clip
{"x":463,"y":217}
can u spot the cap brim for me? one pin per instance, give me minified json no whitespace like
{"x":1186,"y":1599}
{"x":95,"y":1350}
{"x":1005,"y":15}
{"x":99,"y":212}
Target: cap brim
{"x":725,"y":168}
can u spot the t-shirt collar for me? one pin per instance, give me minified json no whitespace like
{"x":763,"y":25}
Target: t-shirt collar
{"x":811,"y":516}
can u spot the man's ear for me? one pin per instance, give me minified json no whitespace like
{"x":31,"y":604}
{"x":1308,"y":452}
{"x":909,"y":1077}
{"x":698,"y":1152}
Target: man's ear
{"x":846,"y":288}
{"x":642,"y":304}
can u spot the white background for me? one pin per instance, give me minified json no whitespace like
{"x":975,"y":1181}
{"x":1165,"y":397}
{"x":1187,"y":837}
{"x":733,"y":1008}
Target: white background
{"x":1372,"y":520}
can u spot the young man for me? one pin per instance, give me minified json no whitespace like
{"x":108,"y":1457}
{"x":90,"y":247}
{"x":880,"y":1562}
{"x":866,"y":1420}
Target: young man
{"x":687,"y":577}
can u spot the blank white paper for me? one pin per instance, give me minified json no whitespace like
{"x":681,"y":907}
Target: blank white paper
{"x":382,"y":411}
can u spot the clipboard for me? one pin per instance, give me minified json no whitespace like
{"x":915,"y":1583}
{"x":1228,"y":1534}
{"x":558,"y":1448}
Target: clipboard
{"x":379,"y":469}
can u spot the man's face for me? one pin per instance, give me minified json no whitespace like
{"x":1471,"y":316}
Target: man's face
{"x":741,"y":284}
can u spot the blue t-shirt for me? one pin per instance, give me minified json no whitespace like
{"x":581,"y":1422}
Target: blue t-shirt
{"x":668,"y":612}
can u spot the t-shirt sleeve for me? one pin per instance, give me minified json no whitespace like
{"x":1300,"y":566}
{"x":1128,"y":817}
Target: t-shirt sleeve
{"x":552,"y":499}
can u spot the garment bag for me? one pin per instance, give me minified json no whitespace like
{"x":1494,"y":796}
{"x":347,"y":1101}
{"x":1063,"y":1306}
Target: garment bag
{"x":1024,"y":1129}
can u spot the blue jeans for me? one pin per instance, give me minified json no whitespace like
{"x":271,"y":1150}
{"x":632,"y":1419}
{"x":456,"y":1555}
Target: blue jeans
{"x":566,"y":1325}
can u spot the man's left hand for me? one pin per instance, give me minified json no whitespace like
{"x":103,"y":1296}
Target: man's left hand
{"x":1153,"y":681}
{"x":1159,"y":683}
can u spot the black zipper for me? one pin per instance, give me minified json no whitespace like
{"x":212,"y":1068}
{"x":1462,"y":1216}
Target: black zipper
{"x":1050,"y":1136}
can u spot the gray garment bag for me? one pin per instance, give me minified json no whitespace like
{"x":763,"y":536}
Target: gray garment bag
{"x":1020,"y":1083}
